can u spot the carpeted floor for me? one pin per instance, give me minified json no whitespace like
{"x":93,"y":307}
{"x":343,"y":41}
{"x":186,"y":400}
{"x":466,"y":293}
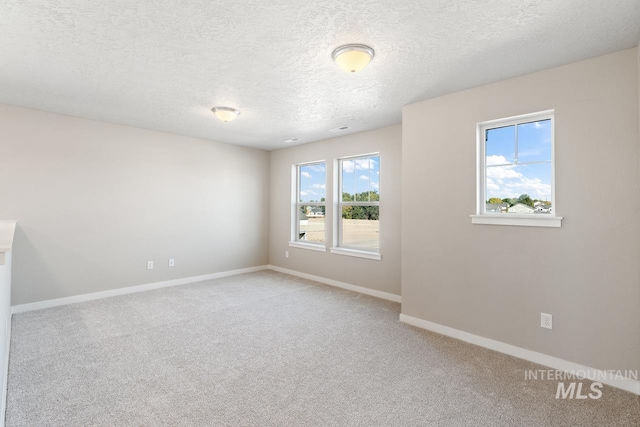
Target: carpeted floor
{"x":267,"y":349}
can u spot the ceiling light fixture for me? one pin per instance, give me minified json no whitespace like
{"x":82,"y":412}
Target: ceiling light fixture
{"x":353,"y":57}
{"x":226,"y":114}
{"x":290,"y":140}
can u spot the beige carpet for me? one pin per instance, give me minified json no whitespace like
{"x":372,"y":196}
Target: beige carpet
{"x":268,"y":349}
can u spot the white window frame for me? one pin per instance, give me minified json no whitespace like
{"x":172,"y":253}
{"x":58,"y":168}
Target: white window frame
{"x":295,"y":209}
{"x":337,"y":211}
{"x":528,"y":220}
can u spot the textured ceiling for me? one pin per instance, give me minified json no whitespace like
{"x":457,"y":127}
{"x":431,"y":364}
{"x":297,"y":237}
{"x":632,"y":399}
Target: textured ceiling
{"x":160,"y":64}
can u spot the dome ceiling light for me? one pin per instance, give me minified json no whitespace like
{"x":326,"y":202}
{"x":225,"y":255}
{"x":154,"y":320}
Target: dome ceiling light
{"x":353,"y":57}
{"x":226,"y":114}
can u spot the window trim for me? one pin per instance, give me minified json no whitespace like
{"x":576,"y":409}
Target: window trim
{"x":337,"y":211}
{"x":356,"y":253}
{"x":295,"y":191}
{"x":528,"y":220}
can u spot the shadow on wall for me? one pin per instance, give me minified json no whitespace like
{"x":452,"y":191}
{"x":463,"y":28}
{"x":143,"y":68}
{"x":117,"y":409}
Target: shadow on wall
{"x":41,"y":259}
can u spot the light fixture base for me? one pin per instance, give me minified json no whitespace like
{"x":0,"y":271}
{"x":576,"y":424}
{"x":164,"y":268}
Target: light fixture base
{"x":226,"y":114}
{"x":353,"y":57}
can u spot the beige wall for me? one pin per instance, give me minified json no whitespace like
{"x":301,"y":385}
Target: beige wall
{"x":381,"y":275}
{"x":94,"y":201}
{"x":494,"y":281}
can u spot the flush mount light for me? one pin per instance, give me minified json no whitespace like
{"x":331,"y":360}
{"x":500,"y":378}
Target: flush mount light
{"x":290,"y":140}
{"x":226,"y":114}
{"x":353,"y":57}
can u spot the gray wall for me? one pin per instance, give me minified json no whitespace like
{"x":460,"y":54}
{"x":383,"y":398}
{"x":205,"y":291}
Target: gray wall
{"x":94,"y":201}
{"x":494,"y":281}
{"x":381,"y":275}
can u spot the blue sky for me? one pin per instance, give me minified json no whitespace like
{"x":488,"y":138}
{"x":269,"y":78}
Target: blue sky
{"x":313,"y":182}
{"x":359,"y":175}
{"x":507,"y":179}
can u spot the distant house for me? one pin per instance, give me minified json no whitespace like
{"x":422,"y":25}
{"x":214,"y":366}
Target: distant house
{"x":496,"y":207}
{"x":542,"y":208}
{"x":315,"y":212}
{"x":521,"y":209}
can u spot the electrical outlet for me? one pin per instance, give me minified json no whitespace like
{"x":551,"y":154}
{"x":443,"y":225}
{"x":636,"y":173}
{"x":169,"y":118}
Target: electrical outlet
{"x":546,"y":321}
{"x":172,"y":262}
{"x":149,"y":265}
{"x":286,"y":254}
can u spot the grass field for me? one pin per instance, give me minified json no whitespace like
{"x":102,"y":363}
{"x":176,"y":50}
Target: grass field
{"x":357,"y":233}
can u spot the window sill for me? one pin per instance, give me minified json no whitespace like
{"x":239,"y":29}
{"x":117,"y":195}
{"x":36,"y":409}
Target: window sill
{"x":356,"y":253}
{"x":308,"y":246}
{"x":518,"y":220}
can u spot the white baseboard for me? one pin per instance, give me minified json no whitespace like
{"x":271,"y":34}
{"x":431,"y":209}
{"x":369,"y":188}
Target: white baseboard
{"x":627,"y":384}
{"x":337,"y":284}
{"x":129,"y":290}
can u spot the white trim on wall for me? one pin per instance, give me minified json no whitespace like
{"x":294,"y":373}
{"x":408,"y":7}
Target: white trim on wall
{"x":337,"y":284}
{"x":626,"y":384}
{"x":130,"y":290}
{"x":21,"y":308}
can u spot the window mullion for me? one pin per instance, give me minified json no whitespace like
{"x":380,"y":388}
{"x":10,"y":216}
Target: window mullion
{"x":515,"y":153}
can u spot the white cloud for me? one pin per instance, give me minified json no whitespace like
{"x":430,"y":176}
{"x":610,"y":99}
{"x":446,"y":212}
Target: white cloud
{"x":305,"y":174}
{"x":375,"y":185}
{"x":502,"y":172}
{"x":363,"y":164}
{"x":319,"y":186}
{"x":349,"y":166}
{"x":365,"y":177}
{"x":496,"y":160}
{"x":507,"y":182}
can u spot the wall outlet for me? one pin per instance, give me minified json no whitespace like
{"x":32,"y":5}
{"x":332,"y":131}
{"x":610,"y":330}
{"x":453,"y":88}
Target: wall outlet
{"x":172,"y":262}
{"x":149,"y":265}
{"x":286,"y":254}
{"x":546,"y":321}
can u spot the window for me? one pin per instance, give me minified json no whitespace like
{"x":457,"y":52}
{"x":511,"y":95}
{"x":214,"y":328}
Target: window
{"x":358,"y":207}
{"x":310,"y":200}
{"x":516,"y":171}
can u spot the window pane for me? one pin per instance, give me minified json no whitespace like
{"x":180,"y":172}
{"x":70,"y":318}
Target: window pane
{"x":312,"y":183}
{"x":500,"y":145}
{"x":360,"y":227}
{"x":524,"y":189}
{"x":311,"y":224}
{"x":534,"y":141}
{"x":375,"y":178}
{"x":363,"y":167}
{"x":361,"y":179}
{"x":348,"y":180}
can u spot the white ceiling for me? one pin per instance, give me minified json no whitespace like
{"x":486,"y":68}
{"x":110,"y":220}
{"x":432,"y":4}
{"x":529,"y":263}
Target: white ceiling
{"x":162,"y":64}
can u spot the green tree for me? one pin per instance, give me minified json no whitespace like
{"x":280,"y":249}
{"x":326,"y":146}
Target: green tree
{"x":361,"y":212}
{"x":525,"y":200}
{"x":495,"y":200}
